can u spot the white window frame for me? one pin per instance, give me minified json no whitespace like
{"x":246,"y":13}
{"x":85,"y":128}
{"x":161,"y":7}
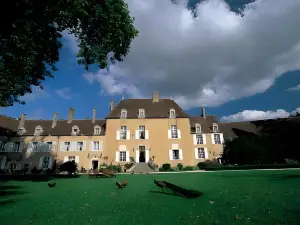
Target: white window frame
{"x":142,"y":129}
{"x":201,"y":155}
{"x":219,"y":141}
{"x":97,"y":130}
{"x":197,"y":128}
{"x":49,"y":146}
{"x":67,"y":146}
{"x":172,"y":113}
{"x":174,"y":132}
{"x":141,"y":113}
{"x":72,"y":158}
{"x":38,"y":130}
{"x":123,"y":114}
{"x":21,"y":131}
{"x":201,"y":138}
{"x":75,"y":132}
{"x":79,"y":146}
{"x":122,"y":156}
{"x":95,"y":145}
{"x":173,"y":152}
{"x":123,"y":132}
{"x":215,"y":127}
{"x":35,"y":146}
{"x":45,"y":163}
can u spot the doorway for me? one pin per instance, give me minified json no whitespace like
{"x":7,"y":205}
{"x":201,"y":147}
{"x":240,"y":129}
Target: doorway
{"x":142,"y":157}
{"x":95,"y":164}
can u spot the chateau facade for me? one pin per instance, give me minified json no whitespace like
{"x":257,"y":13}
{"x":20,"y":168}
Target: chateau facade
{"x":139,"y":129}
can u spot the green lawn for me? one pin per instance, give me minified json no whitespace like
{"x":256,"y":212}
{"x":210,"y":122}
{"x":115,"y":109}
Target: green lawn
{"x":240,"y":197}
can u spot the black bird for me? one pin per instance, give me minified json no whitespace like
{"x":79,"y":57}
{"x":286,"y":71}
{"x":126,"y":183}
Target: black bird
{"x":50,"y":185}
{"x":160,"y":184}
{"x":121,"y":185}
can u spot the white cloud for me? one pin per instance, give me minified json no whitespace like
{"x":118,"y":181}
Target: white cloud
{"x":296,"y":88}
{"x":250,"y":115}
{"x":70,"y":41}
{"x":212,"y":59}
{"x":37,"y":93}
{"x":37,"y":114}
{"x":64,"y":93}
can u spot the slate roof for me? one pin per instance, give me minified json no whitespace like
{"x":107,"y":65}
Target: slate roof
{"x":152,"y":109}
{"x":206,"y":124}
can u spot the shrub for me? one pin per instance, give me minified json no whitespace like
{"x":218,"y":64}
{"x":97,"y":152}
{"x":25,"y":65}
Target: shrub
{"x":82,"y":170}
{"x":166,"y":167}
{"x":116,"y":168}
{"x":201,"y":165}
{"x":69,"y":166}
{"x":180,"y":166}
{"x":188,"y":168}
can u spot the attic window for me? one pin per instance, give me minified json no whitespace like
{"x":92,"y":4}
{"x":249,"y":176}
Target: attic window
{"x":38,"y":130}
{"x":141,"y":113}
{"x":123,"y":113}
{"x":172,"y":113}
{"x":97,"y":130}
{"x":21,"y":131}
{"x":215,"y":127}
{"x":75,"y":130}
{"x":198,"y":128}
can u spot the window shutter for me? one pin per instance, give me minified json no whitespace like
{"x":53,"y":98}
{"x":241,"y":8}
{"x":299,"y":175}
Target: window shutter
{"x":196,"y":153}
{"x":84,"y":146}
{"x":21,"y":147}
{"x":29,"y":147}
{"x":169,"y":134}
{"x":146,"y":134}
{"x":179,"y":134}
{"x":195,"y":139}
{"x":222,"y":138}
{"x":212,"y":138}
{"x":118,"y":135}
{"x":62,"y":146}
{"x":128,"y":134}
{"x":171,"y":154}
{"x":91,"y":146}
{"x":127,"y":156}
{"x":136,"y":134}
{"x":50,"y":162}
{"x":77,"y":160}
{"x":53,"y":146}
{"x":100,"y":145}
{"x":206,"y":153}
{"x":180,"y":154}
{"x":204,"y":139}
{"x":147,"y":155}
{"x":66,"y":158}
{"x":73,"y":146}
{"x":117,"y":156}
{"x":3,"y":162}
{"x":41,"y":162}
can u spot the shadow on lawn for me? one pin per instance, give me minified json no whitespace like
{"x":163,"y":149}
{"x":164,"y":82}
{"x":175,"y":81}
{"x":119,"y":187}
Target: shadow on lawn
{"x":10,"y":191}
{"x":289,"y":176}
{"x":167,"y":193}
{"x":36,"y":178}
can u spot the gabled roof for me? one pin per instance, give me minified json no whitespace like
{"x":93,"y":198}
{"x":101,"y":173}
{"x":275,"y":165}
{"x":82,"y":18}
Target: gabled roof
{"x":206,"y":124}
{"x":8,"y":123}
{"x":160,"y":109}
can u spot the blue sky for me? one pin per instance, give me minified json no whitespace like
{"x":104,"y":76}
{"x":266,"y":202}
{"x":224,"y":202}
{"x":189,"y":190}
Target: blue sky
{"x":69,"y":88}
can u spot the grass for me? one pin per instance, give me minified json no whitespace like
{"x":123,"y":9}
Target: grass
{"x":230,"y":197}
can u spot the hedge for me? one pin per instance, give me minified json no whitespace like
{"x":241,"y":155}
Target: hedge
{"x":249,"y":167}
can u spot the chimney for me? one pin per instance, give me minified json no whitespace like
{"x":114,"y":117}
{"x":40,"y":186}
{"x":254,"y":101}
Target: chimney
{"x":112,"y":104}
{"x":203,"y":112}
{"x":155,"y":97}
{"x":94,"y":115}
{"x":54,"y":121}
{"x":22,"y":121}
{"x":71,"y":115}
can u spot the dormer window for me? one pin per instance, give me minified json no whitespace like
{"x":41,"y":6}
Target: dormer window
{"x":123,"y":113}
{"x":141,"y":113}
{"x":198,"y":128}
{"x":75,"y":130}
{"x":215,"y":127}
{"x":21,"y":131}
{"x":38,"y":130}
{"x":97,"y":130}
{"x":172,"y":113}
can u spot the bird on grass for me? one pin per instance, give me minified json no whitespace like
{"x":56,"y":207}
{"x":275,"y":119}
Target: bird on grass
{"x":50,"y":185}
{"x":121,"y":185}
{"x":160,"y":184}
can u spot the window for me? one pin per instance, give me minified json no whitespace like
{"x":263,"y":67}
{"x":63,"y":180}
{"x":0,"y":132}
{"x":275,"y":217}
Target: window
{"x":217,"y":138}
{"x":123,"y":133}
{"x":141,"y":113}
{"x":175,"y":154}
{"x":96,"y":146}
{"x":45,"y":164}
{"x":198,"y":128}
{"x":201,"y":153}
{"x":71,"y":158}
{"x":122,"y":156}
{"x":172,"y":113}
{"x":35,"y":146}
{"x":97,"y":130}
{"x":49,"y":146}
{"x":21,"y":131}
{"x":67,"y":146}
{"x":174,"y":133}
{"x":215,"y":128}
{"x":123,"y":113}
{"x":141,"y":132}
{"x":75,"y":130}
{"x":38,"y":130}
{"x":79,"y":146}
{"x":17,"y":146}
{"x":199,"y":139}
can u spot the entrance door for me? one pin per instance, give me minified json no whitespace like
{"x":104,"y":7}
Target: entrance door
{"x":142,"y":157}
{"x":95,"y":164}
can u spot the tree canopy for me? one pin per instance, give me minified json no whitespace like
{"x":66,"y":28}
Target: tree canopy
{"x":30,"y":39}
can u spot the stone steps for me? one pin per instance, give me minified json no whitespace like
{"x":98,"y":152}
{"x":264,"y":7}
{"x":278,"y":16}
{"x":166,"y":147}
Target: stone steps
{"x":142,"y":168}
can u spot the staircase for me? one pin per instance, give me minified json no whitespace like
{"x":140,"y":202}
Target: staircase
{"x":142,"y":168}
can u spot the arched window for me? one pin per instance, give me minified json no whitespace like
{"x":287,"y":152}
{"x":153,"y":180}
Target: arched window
{"x":172,"y":113}
{"x":38,"y":130}
{"x":123,"y":113}
{"x":97,"y":130}
{"x":198,"y":128}
{"x":75,"y":130}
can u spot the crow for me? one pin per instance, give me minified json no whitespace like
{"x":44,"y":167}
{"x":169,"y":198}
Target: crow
{"x":50,"y":185}
{"x":160,"y":184}
{"x":121,"y":185}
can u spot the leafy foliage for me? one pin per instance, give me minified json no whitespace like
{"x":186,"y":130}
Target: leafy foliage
{"x":69,"y":166}
{"x":30,"y":39}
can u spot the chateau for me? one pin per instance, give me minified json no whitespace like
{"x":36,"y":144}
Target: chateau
{"x":141,"y":129}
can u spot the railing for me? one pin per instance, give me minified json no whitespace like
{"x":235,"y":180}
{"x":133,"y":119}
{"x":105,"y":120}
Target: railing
{"x":152,"y":165}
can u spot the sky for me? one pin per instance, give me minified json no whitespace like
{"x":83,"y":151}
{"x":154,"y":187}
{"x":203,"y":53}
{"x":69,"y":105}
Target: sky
{"x":238,"y":58}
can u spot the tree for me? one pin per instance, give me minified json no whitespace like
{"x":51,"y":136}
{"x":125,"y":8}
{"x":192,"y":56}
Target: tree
{"x":69,"y":166}
{"x":30,"y":39}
